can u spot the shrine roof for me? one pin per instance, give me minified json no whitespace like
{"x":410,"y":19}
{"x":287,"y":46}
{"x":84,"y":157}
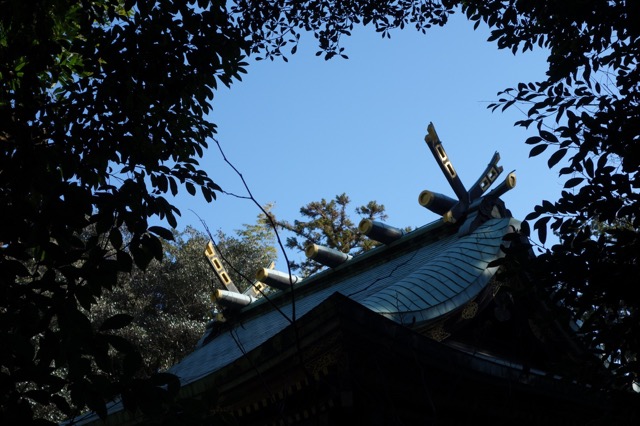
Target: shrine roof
{"x":424,"y":276}
{"x":413,"y":279}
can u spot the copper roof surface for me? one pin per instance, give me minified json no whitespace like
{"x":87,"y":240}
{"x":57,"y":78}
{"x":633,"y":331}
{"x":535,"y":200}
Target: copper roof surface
{"x":408,"y":286}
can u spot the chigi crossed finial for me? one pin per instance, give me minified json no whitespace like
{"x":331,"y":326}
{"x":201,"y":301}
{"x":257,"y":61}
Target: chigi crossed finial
{"x":471,"y":208}
{"x":451,"y":209}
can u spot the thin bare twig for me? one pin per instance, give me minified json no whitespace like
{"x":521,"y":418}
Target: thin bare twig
{"x":271,"y":222}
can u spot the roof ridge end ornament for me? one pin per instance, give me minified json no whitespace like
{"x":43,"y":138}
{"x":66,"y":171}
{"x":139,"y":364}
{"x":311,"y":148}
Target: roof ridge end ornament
{"x":257,"y":288}
{"x":218,"y":268}
{"x":327,"y":256}
{"x":231,"y":299}
{"x":450,"y":209}
{"x":435,"y":145}
{"x":436,"y":202}
{"x":506,"y":185}
{"x":277,"y":279}
{"x":380,"y":231}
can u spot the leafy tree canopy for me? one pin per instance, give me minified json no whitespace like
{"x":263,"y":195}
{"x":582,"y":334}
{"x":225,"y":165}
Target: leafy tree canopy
{"x":102,"y":109}
{"x":330,"y":225}
{"x":587,"y":111}
{"x":94,"y":132}
{"x":166,"y":307}
{"x":170,"y":301}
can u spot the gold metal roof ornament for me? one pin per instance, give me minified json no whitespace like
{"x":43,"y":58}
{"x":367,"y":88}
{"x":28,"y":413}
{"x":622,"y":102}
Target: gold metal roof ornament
{"x":380,"y":231}
{"x":326,"y":255}
{"x":276,"y":279}
{"x":218,"y":268}
{"x":232,"y":300}
{"x":469,"y":202}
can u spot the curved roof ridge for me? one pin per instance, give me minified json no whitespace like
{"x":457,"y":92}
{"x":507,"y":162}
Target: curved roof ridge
{"x":448,"y":281}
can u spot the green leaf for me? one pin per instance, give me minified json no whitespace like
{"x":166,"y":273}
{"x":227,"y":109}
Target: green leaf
{"x":573,"y":182}
{"x":541,"y":226}
{"x":61,"y":404}
{"x":85,"y":297}
{"x":153,"y":245}
{"x":548,"y":136}
{"x":15,"y":268}
{"x":173,"y":186}
{"x":125,"y":263}
{"x":191,"y":189}
{"x":172,"y":219}
{"x":532,"y":215}
{"x":141,"y":256}
{"x":38,"y":395}
{"x":537,"y":150}
{"x":115,"y":238}
{"x":588,"y":166}
{"x":533,"y":140}
{"x":116,"y":322}
{"x":132,"y":363}
{"x":119,"y":343}
{"x":206,"y":193}
{"x":162,"y":232}
{"x":556,"y":157}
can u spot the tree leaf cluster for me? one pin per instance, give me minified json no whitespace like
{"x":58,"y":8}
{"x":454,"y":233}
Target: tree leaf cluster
{"x":156,"y":316}
{"x":587,"y":111}
{"x":167,"y":305}
{"x":102,"y":106}
{"x":329,"y":224}
{"x":95,"y":134}
{"x":274,"y":27}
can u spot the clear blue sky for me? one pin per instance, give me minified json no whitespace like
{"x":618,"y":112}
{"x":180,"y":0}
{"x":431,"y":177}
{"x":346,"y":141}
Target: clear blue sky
{"x":311,"y":129}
